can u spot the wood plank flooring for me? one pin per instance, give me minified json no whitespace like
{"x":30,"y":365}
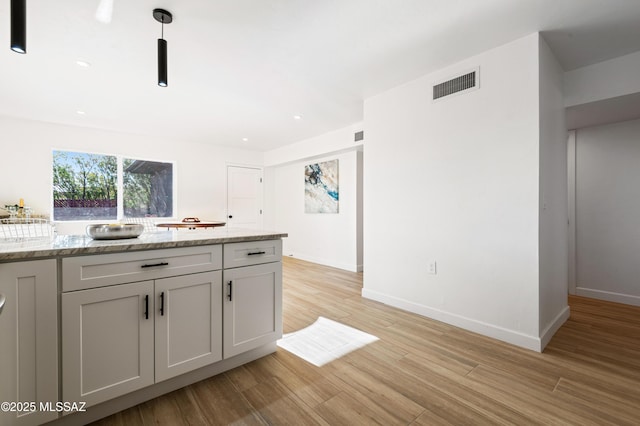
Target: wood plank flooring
{"x":420,"y":372}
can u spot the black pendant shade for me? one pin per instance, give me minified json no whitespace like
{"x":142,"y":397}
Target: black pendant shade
{"x":162,"y":63}
{"x":19,"y":26}
{"x":163,"y":17}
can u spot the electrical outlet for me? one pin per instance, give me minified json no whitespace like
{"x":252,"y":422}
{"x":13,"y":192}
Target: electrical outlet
{"x":432,"y":267}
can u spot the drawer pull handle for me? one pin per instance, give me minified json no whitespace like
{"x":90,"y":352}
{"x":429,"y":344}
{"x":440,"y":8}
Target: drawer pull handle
{"x":155,"y":264}
{"x":230,"y":295}
{"x":146,"y":307}
{"x":3,"y":300}
{"x":162,"y":304}
{"x":253,"y":253}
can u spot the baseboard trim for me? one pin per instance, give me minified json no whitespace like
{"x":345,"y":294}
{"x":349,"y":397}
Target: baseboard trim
{"x":609,"y":296}
{"x":509,"y":336}
{"x":552,"y":328}
{"x":326,"y":262}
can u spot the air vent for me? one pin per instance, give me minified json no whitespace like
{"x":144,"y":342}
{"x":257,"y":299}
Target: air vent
{"x":463,"y":83}
{"x":358,"y":136}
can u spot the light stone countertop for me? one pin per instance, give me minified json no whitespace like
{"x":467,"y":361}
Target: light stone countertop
{"x":74,"y":245}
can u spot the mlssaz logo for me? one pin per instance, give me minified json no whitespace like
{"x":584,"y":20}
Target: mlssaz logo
{"x":63,"y":406}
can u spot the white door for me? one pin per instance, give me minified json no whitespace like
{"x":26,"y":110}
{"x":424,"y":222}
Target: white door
{"x":252,"y":307}
{"x":188,"y":323}
{"x":244,"y":197}
{"x":107,"y":342}
{"x":28,"y":340}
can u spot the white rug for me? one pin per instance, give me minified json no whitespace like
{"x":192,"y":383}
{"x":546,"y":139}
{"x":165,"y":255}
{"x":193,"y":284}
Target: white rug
{"x":324,"y":341}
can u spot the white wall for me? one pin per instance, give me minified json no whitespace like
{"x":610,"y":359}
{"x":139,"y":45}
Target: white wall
{"x":608,"y":212}
{"x":603,"y":93}
{"x":26,"y":165}
{"x":554,"y":235}
{"x":329,"y":239}
{"x":604,"y":80}
{"x":336,"y":141}
{"x":457,"y":182}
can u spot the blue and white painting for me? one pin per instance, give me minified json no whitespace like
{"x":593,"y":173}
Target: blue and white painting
{"x":321,"y":193}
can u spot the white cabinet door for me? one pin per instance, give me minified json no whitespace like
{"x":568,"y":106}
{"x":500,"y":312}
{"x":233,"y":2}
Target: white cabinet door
{"x":107,"y":342}
{"x":188,"y":323}
{"x":252,"y":307}
{"x":28,"y":339}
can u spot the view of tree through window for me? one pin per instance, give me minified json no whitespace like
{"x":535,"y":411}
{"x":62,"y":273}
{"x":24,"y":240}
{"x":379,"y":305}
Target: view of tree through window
{"x":86,"y":187}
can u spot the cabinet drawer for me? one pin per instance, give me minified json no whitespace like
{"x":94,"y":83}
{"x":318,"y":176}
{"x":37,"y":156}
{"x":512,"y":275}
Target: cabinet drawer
{"x":84,"y":272}
{"x":252,"y":253}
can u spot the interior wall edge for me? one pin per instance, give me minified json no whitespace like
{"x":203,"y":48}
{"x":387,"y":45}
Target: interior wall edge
{"x":553,"y":327}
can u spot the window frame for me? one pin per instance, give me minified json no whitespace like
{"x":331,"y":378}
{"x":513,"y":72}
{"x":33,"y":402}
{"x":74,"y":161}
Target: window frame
{"x":120,"y":217}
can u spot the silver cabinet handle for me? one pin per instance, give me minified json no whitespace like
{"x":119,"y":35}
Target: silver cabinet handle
{"x":3,"y":299}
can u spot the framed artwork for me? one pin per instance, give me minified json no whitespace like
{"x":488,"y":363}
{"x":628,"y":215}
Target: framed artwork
{"x":321,"y":191}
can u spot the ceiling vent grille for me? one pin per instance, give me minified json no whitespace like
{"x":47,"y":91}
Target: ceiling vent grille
{"x":463,"y":83}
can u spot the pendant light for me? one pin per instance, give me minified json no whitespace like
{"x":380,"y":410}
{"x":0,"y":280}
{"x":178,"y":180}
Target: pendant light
{"x":19,"y":26}
{"x":163,"y":17}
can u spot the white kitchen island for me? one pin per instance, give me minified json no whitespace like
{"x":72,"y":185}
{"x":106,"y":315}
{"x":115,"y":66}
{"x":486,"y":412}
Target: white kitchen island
{"x":105,"y":325}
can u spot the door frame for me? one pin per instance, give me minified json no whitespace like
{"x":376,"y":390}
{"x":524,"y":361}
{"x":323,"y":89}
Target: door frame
{"x":571,"y":181}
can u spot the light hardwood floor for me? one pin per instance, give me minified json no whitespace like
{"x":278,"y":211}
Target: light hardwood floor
{"x":420,"y":372}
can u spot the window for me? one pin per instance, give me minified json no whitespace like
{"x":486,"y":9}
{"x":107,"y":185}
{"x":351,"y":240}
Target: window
{"x":84,"y":186}
{"x":98,"y":187}
{"x":148,"y":188}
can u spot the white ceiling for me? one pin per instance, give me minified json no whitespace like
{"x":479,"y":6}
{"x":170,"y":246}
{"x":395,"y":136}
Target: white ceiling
{"x":242,"y":68}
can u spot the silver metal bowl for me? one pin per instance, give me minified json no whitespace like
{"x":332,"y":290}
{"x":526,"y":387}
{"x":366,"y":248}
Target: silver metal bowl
{"x":114,"y":231}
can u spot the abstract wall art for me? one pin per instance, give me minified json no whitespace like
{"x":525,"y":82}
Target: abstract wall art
{"x":321,"y":194}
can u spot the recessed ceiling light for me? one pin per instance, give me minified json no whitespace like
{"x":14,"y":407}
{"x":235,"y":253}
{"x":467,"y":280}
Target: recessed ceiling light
{"x":245,"y":139}
{"x":83,"y":64}
{"x":80,"y":112}
{"x":297,"y":117}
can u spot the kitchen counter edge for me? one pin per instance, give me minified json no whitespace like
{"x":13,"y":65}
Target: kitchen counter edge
{"x":78,"y":245}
